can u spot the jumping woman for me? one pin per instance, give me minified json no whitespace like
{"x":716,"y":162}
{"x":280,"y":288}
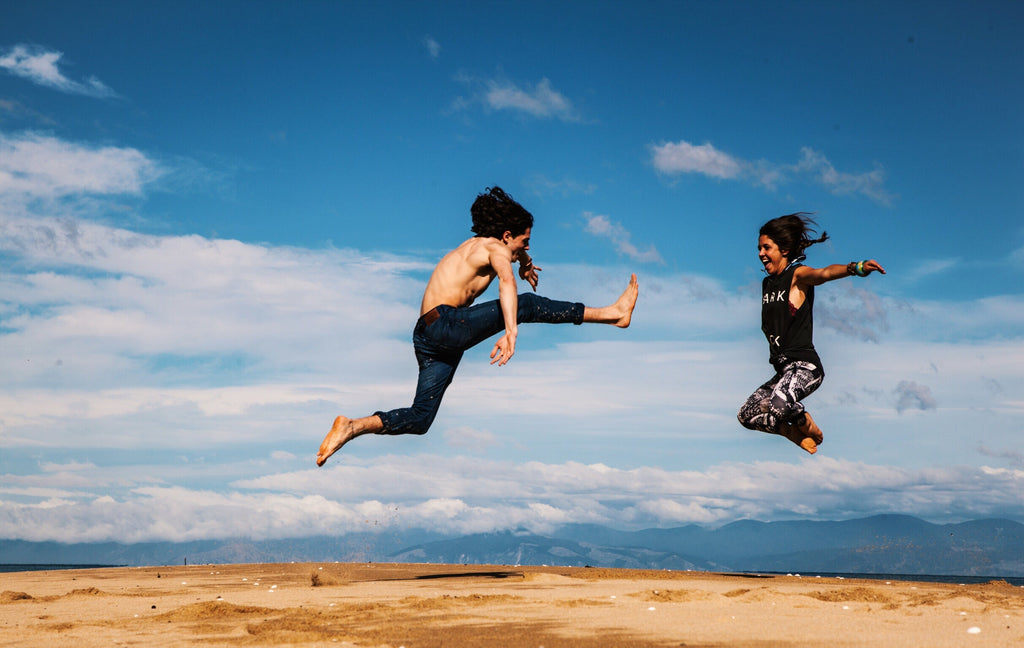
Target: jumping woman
{"x":787,"y":307}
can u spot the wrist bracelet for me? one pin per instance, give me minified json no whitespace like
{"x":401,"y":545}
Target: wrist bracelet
{"x":857,"y":268}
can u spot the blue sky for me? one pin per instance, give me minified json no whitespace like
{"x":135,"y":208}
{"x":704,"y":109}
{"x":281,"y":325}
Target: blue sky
{"x":216,"y":221}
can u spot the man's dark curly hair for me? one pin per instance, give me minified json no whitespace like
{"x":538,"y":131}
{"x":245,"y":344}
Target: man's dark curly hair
{"x":495,"y":212}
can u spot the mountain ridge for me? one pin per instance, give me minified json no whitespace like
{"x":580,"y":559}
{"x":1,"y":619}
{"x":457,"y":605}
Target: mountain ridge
{"x":890,"y":544}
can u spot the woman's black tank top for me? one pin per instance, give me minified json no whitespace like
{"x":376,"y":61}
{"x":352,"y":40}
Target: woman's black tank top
{"x":789,"y":334}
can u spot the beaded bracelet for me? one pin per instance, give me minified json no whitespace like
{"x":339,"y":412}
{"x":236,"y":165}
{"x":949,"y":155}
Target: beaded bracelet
{"x":857,"y":268}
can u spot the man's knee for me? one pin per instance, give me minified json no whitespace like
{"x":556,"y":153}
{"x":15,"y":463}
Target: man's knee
{"x":529,"y":301}
{"x":535,"y":308}
{"x":420,"y":423}
{"x":408,"y":421}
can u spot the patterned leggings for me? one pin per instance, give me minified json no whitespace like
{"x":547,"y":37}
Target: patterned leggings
{"x":778,"y":400}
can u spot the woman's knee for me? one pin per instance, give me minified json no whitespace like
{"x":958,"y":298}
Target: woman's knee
{"x":784,"y":409}
{"x":746,"y":417}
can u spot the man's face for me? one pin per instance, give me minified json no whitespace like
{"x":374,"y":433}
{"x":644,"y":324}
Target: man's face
{"x":517,"y":244}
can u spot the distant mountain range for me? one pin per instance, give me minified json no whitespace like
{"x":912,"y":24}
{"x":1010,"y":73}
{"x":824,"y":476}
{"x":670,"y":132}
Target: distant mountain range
{"x":883,"y":544}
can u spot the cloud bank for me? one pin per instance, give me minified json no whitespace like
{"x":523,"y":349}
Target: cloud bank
{"x":174,"y":387}
{"x":677,"y":158}
{"x":395,"y":493}
{"x":38,"y":166}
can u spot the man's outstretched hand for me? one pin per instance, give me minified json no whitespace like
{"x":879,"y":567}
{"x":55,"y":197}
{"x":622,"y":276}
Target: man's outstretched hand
{"x":503,"y":349}
{"x":528,"y":273}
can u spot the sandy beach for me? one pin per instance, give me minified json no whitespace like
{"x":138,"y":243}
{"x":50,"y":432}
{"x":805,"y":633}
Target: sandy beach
{"x":417,"y":605}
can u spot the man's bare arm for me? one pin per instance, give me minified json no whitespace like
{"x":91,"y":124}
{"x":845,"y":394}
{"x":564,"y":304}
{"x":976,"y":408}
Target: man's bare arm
{"x":508,"y":298}
{"x":528,"y":271}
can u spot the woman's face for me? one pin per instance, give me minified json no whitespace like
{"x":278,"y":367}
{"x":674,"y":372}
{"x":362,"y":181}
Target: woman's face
{"x":773,"y":259}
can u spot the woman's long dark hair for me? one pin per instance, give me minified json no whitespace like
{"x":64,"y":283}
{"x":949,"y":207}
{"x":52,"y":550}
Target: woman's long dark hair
{"x":793,"y":233}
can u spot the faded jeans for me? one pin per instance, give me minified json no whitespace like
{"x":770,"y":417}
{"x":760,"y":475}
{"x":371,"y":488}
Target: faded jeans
{"x":439,"y":347}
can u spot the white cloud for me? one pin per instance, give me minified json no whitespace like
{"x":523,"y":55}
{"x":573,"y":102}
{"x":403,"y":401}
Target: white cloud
{"x":41,"y":166}
{"x":603,"y":227}
{"x":673,"y":158}
{"x":676,"y":158}
{"x":870,"y":183}
{"x":432,"y":46}
{"x":186,"y":294}
{"x":460,"y":496}
{"x":541,"y":101}
{"x":40,"y":66}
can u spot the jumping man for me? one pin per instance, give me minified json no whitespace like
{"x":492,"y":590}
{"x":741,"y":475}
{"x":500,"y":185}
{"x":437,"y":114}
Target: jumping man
{"x":449,"y":323}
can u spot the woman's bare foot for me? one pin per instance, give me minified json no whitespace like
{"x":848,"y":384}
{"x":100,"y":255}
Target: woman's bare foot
{"x":343,"y":431}
{"x":795,"y":435}
{"x":811,"y":429}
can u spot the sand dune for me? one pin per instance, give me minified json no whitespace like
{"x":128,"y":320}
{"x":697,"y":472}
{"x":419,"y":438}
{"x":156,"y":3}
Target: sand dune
{"x":377,"y":605}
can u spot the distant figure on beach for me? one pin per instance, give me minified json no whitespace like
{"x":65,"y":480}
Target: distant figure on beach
{"x":787,"y":306}
{"x":449,"y":324}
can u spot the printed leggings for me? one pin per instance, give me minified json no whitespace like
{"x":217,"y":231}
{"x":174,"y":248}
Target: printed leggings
{"x":778,"y":400}
{"x":440,"y":343}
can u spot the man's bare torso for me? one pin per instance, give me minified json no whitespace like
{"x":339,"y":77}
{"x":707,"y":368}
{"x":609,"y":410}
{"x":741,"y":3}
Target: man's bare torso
{"x":463,"y":274}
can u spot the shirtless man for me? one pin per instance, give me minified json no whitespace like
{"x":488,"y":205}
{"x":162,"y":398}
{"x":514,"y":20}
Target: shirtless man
{"x":449,"y":323}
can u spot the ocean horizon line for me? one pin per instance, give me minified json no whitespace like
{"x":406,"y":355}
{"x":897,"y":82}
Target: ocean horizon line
{"x":955,"y":579}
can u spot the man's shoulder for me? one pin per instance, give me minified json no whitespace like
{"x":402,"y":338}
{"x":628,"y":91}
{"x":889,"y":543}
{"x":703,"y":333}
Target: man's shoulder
{"x":482,"y":247}
{"x":482,"y":241}
{"x":477,"y":253}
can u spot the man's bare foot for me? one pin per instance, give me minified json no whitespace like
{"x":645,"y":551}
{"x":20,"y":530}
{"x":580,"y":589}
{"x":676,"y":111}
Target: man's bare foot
{"x":627,"y":302}
{"x":619,"y":313}
{"x":343,"y":431}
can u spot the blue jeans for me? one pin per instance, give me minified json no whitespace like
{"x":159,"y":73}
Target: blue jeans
{"x":439,"y":347}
